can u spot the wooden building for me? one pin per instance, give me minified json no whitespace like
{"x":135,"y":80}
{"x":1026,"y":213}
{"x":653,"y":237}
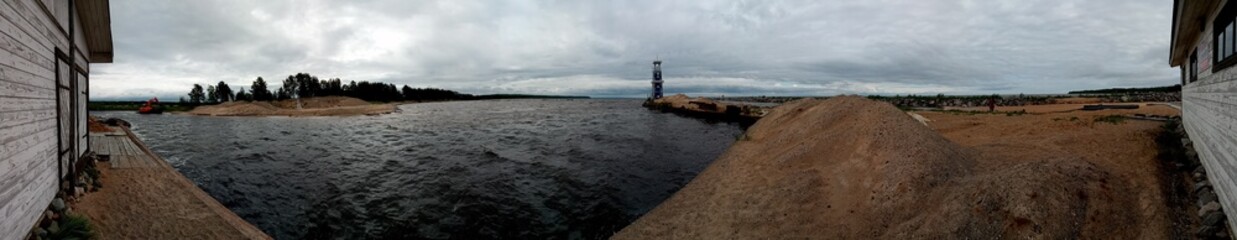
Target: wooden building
{"x":1204,"y":40}
{"x":46,"y":47}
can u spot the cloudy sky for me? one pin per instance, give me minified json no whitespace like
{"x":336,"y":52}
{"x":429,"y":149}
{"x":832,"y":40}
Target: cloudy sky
{"x":605,"y":48}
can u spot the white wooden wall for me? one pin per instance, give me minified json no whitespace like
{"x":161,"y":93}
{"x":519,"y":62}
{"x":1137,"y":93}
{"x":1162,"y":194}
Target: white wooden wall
{"x":1209,"y":113}
{"x":29,"y":35}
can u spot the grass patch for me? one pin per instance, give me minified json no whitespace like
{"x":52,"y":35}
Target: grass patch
{"x":73,"y":226}
{"x":1113,"y":119}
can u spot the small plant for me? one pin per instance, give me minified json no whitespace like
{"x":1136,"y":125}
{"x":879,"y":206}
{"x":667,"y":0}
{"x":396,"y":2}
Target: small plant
{"x":73,"y":226}
{"x":1113,"y":119}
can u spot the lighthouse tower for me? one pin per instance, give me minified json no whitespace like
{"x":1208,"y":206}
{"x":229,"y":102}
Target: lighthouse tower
{"x":657,"y":79}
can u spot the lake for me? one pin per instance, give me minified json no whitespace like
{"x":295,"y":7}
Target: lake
{"x":556,"y":169}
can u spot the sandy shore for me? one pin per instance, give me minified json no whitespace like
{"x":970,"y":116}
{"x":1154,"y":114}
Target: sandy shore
{"x":158,"y":203}
{"x":317,"y":106}
{"x":852,"y":168}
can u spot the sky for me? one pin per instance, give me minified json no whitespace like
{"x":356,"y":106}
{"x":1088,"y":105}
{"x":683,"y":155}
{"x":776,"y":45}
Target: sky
{"x":606,"y":48}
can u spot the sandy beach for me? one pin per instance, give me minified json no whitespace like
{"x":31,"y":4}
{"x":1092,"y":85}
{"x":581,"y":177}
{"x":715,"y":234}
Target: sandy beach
{"x":852,"y":168}
{"x":317,"y":106}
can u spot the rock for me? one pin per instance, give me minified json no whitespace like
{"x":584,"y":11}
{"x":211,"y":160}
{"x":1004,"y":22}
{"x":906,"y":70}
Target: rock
{"x":1213,"y":219}
{"x":1206,"y":231}
{"x":54,"y":227}
{"x":1207,"y":208}
{"x":78,"y":192}
{"x":1198,"y":175}
{"x":40,"y":232}
{"x":1199,"y":186}
{"x":58,"y":204}
{"x":1186,"y":142}
{"x":1206,"y":197}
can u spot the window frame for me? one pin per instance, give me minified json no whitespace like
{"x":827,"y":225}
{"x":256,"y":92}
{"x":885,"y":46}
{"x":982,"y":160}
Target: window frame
{"x":1223,"y":39}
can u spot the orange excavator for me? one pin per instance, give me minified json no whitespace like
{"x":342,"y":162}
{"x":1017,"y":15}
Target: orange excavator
{"x":151,"y":107}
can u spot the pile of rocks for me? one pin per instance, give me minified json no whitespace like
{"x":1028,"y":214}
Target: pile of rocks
{"x":1213,"y":224}
{"x":54,"y":220}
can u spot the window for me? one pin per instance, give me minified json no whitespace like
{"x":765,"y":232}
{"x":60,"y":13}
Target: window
{"x":1224,"y":39}
{"x":1193,"y":67}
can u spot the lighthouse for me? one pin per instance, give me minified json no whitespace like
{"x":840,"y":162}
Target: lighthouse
{"x":657,"y":79}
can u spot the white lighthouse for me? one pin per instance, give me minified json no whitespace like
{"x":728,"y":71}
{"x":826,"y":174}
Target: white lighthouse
{"x":657,"y":79}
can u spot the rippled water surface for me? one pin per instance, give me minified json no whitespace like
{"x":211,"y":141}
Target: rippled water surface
{"x":559,"y":169}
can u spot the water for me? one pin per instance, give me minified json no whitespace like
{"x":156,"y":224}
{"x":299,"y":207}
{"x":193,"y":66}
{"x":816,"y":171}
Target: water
{"x":510,"y":169}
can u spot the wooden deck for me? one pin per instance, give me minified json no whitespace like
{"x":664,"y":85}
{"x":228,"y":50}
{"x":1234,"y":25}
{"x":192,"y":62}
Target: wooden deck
{"x":120,"y":151}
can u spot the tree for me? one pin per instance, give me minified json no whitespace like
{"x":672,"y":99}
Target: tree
{"x":211,"y":95}
{"x":242,"y":96}
{"x":224,"y":92}
{"x":196,"y":96}
{"x":182,"y":101}
{"x":290,"y":89}
{"x":259,"y":90}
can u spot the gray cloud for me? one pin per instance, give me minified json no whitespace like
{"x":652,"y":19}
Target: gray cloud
{"x":605,"y":48}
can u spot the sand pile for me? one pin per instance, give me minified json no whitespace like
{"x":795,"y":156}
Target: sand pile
{"x":852,"y":168}
{"x":317,"y":106}
{"x":321,"y":102}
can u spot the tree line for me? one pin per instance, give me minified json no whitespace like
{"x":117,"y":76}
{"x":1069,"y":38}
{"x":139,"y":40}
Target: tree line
{"x":304,"y":85}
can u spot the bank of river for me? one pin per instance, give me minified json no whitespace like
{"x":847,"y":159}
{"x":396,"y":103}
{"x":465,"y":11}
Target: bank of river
{"x":471,"y":169}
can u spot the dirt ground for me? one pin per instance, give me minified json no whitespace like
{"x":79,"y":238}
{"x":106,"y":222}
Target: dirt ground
{"x":851,"y":168}
{"x":158,"y":203}
{"x":317,"y":106}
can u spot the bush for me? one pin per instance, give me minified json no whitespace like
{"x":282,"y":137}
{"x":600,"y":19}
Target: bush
{"x":73,"y":226}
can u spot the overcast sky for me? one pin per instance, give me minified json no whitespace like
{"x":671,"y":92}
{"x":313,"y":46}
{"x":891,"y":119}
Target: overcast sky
{"x":605,"y":48}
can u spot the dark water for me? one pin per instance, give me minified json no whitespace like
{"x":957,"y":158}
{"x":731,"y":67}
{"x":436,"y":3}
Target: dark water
{"x":512,"y":169}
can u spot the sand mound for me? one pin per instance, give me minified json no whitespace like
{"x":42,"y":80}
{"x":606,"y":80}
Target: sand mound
{"x":321,"y":102}
{"x":852,"y":168}
{"x":317,"y":106}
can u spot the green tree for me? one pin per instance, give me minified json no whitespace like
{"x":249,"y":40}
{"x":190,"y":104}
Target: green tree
{"x":196,"y":96}
{"x":259,"y":91}
{"x":211,"y":95}
{"x":241,"y":95}
{"x":224,"y":92}
{"x":290,"y":89}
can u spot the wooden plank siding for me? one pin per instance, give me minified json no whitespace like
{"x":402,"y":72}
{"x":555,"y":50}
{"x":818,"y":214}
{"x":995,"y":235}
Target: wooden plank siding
{"x":1209,"y":115}
{"x":31,"y":32}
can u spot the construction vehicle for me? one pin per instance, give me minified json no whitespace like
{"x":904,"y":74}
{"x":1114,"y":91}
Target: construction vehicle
{"x":151,"y":107}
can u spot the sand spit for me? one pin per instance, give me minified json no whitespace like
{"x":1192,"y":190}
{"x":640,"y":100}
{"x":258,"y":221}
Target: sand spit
{"x":852,"y":168}
{"x":317,"y":106}
{"x":705,"y":108}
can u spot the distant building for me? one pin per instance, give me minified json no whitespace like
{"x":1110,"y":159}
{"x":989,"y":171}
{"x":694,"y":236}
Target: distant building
{"x":46,"y":48}
{"x":657,"y":79}
{"x":1204,"y":40}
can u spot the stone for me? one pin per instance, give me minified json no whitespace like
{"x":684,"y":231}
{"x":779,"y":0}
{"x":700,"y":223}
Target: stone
{"x":58,"y":204}
{"x":1213,"y":219}
{"x":40,"y":232}
{"x":78,"y":192}
{"x":1206,"y":197}
{"x":1206,"y":231}
{"x":1199,"y":186}
{"x":1198,"y":175}
{"x":54,"y":227}
{"x":1207,"y":208}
